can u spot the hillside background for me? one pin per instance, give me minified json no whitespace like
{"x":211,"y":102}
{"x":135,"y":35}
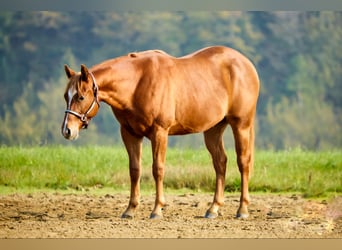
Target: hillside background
{"x":298,"y":56}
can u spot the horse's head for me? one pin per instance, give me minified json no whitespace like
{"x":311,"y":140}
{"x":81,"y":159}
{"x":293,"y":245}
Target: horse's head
{"x":81,"y":96}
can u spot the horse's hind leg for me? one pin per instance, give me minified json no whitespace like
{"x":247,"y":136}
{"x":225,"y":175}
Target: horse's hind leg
{"x":134,"y":149}
{"x":244,"y":146}
{"x":214,"y":143}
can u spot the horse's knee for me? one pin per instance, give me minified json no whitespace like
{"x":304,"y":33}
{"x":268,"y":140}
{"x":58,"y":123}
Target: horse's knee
{"x":223,"y":159}
{"x":135,"y":174}
{"x":158,"y":172}
{"x":244,"y":162}
{"x":221,"y":165}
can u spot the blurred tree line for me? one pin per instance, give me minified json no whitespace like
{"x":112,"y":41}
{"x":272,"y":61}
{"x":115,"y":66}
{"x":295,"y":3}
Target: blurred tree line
{"x":298,"y":56}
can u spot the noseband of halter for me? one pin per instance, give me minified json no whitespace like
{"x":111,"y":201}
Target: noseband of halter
{"x":84,"y":117}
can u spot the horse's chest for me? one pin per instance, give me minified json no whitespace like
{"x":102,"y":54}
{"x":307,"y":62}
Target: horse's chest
{"x":134,"y":123}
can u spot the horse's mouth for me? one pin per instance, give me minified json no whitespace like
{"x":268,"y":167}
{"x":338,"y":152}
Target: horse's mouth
{"x":72,"y":138}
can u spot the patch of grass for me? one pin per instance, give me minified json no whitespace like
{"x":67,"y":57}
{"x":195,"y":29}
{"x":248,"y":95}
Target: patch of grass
{"x":313,"y":174}
{"x":61,"y":167}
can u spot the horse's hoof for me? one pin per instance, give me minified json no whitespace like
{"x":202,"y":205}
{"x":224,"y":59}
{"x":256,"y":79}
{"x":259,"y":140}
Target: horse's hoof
{"x":210,"y":215}
{"x":156,"y":216}
{"x":127,"y":216}
{"x":241,"y":216}
{"x":242,"y":212}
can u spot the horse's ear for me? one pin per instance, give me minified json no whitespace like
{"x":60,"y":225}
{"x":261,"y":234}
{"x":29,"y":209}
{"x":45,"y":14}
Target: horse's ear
{"x":69,"y":72}
{"x":84,"y":73}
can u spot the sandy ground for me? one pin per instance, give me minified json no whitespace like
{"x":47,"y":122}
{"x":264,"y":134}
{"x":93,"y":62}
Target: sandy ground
{"x":42,"y":215}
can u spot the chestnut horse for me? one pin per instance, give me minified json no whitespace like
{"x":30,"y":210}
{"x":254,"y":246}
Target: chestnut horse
{"x":153,"y":95}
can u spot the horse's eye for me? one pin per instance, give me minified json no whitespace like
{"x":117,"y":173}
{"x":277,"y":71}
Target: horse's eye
{"x":81,"y":98}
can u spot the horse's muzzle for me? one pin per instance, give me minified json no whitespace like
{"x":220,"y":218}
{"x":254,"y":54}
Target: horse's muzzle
{"x":70,"y":134}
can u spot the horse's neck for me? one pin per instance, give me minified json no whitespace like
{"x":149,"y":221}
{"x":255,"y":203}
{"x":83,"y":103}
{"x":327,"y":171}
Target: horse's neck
{"x":115,"y":89}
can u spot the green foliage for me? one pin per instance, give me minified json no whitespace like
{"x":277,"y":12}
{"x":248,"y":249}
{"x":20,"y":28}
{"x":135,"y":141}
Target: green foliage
{"x":20,"y":126}
{"x":297,"y":54}
{"x":79,"y":168}
{"x":290,"y":122}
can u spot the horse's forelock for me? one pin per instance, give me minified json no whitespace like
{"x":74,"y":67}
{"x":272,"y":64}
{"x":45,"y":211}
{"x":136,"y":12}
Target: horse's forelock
{"x":73,"y":83}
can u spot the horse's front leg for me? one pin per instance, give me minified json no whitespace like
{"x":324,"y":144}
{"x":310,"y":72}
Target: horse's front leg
{"x":133,"y":146}
{"x":159,"y":144}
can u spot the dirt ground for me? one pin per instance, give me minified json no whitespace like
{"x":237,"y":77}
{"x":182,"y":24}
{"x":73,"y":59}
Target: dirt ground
{"x":47,"y":215}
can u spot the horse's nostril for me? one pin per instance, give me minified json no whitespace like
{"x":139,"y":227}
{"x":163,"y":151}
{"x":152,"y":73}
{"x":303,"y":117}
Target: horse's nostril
{"x":67,"y":132}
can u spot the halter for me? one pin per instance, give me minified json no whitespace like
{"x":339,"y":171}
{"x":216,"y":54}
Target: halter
{"x":83,"y":117}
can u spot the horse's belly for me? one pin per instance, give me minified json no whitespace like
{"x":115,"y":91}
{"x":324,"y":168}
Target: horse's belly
{"x":196,"y":122}
{"x":180,"y":130}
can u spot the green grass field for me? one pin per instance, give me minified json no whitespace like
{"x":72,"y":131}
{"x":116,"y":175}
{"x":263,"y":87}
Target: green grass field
{"x":313,"y":174}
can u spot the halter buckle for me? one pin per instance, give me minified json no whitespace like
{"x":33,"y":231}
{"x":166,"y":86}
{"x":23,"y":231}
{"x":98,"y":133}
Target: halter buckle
{"x":83,"y":118}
